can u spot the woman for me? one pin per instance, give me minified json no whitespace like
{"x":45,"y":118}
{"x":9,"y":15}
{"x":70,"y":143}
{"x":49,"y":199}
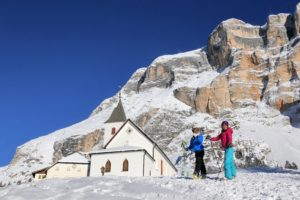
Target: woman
{"x":227,"y":146}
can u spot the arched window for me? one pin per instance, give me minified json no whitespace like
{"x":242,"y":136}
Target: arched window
{"x":113,"y":130}
{"x":107,"y":166}
{"x":125,"y":165}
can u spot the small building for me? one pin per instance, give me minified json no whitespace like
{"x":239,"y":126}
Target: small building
{"x":73,"y":166}
{"x":40,"y":174}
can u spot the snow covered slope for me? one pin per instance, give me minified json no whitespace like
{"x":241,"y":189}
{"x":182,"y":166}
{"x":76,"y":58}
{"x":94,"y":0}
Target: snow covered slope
{"x":250,"y":184}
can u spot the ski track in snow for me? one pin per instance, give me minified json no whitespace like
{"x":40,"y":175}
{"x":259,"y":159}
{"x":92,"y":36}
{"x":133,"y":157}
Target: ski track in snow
{"x":250,"y":184}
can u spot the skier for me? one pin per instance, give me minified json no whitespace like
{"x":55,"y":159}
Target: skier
{"x":227,"y":146}
{"x":196,"y":145}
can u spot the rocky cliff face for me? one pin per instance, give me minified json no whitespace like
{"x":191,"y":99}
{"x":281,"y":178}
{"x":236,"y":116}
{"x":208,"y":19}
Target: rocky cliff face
{"x":74,"y":144}
{"x":246,"y":74}
{"x":263,"y":60}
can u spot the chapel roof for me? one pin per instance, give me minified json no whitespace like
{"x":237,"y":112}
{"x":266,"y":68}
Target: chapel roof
{"x":118,"y":114}
{"x":74,"y":158}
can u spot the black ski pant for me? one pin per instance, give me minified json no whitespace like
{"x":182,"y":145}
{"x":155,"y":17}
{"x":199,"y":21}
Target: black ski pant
{"x":200,"y":166}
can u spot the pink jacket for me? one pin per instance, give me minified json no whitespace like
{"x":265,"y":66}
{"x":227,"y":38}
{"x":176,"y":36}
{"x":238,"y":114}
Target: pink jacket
{"x":225,"y":137}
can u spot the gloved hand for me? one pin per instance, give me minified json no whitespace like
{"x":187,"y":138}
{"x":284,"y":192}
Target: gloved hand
{"x":230,"y":145}
{"x":208,"y":137}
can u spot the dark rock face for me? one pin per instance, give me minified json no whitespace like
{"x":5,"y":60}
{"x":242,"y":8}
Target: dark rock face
{"x":134,"y":83}
{"x":74,"y":144}
{"x":144,"y":118}
{"x":186,"y":95}
{"x":166,"y":125}
{"x":164,"y":71}
{"x":156,"y":76}
{"x":288,"y":165}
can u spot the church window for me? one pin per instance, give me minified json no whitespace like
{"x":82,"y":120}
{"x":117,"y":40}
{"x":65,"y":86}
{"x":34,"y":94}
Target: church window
{"x":74,"y":166}
{"x":113,"y":130}
{"x":125,"y":165}
{"x":107,"y":166}
{"x":57,"y":168}
{"x":129,"y":131}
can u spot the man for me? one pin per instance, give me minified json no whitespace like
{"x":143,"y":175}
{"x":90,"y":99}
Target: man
{"x":196,"y":145}
{"x":227,"y":146}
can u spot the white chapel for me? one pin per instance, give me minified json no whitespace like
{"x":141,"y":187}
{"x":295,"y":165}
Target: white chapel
{"x":128,"y":151}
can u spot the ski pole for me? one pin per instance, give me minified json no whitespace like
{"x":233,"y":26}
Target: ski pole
{"x":221,"y":168}
{"x":189,"y":154}
{"x":215,"y":156}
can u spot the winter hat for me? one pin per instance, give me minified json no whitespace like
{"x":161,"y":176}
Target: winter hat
{"x":195,"y":128}
{"x":225,"y":122}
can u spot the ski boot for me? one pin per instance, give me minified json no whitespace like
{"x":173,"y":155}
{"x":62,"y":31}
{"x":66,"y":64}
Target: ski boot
{"x":195,"y":177}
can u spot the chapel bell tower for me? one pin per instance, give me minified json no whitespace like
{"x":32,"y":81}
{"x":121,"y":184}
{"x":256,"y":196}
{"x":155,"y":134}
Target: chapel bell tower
{"x":114,"y":122}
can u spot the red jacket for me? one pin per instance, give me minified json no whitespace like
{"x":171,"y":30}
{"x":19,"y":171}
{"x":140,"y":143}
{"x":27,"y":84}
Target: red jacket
{"x":225,"y":137}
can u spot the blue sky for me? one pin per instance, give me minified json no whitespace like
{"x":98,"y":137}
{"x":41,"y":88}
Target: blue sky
{"x":59,"y":59}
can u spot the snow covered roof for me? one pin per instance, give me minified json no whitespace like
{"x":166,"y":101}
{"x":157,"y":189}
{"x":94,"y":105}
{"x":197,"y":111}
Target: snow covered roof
{"x":118,"y":114}
{"x":74,"y":158}
{"x":40,"y":170}
{"x":118,"y":149}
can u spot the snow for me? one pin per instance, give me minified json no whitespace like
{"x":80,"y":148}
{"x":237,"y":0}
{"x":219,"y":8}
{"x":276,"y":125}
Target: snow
{"x":74,"y":158}
{"x":257,"y":183}
{"x":117,"y":149}
{"x":164,"y":58}
{"x":199,"y":80}
{"x":284,"y":142}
